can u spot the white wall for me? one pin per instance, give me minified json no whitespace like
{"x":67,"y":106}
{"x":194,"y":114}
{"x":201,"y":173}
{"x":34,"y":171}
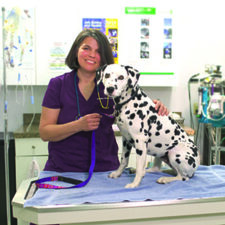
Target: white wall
{"x":200,"y":40}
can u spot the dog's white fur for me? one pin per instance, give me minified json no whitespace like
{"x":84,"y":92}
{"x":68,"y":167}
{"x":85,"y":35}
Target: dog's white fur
{"x":146,"y":131}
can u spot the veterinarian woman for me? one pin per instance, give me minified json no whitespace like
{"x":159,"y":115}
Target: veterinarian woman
{"x":73,"y":106}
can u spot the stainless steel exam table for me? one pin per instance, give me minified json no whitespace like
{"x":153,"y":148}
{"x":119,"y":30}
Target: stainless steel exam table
{"x":209,"y":211}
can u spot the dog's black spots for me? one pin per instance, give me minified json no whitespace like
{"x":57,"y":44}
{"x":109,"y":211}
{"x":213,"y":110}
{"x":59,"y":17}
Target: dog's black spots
{"x":190,"y":140}
{"x":169,"y":148}
{"x":140,"y":114}
{"x":177,"y":155}
{"x":183,"y":179}
{"x":159,"y":126}
{"x":129,"y":83}
{"x":167,"y":131}
{"x":157,"y":133}
{"x":143,"y":94}
{"x":191,"y":160}
{"x":142,"y":126}
{"x":132,"y":116}
{"x":131,"y":73}
{"x":176,"y":132}
{"x":127,"y":154}
{"x":127,"y":146}
{"x":183,"y":136}
{"x":137,"y":141}
{"x":172,"y":120}
{"x":137,"y":76}
{"x":165,"y":155}
{"x":127,"y":112}
{"x":139,"y":97}
{"x":195,"y":151}
{"x":153,"y":119}
{"x":152,"y":109}
{"x":158,"y":145}
{"x":139,"y":152}
{"x":131,"y":141}
{"x":172,"y":138}
{"x":178,"y":161}
{"x":173,"y":145}
{"x":130,"y":123}
{"x":117,"y":99}
{"x":143,"y":104}
{"x":135,"y":105}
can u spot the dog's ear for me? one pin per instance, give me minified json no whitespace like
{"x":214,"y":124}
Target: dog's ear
{"x":99,"y":73}
{"x":133,"y":76}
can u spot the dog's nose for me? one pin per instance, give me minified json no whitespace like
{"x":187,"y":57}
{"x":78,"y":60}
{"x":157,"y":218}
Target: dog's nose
{"x":110,"y":90}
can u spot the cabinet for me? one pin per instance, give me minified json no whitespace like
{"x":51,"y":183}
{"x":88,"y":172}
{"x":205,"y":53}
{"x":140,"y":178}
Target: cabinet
{"x":28,"y":149}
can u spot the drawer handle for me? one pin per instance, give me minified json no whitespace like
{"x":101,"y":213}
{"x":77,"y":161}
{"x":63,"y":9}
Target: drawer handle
{"x":33,"y":147}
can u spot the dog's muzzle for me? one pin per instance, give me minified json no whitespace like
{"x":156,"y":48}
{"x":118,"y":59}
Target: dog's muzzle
{"x":110,"y":90}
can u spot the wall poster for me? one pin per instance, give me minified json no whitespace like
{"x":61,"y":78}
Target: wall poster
{"x":109,"y":27}
{"x":150,"y":43}
{"x":18,"y":41}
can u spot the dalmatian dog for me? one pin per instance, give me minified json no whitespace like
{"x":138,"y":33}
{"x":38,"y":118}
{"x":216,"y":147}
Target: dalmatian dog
{"x":142,"y":128}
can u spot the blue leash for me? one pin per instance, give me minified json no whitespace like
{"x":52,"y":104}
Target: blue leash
{"x":40,"y":182}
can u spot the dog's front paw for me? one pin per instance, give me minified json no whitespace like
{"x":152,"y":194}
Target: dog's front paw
{"x":114,"y":174}
{"x":165,"y":180}
{"x":132,"y":185}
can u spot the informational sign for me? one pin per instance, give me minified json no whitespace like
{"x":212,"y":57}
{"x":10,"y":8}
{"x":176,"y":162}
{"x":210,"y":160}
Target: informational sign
{"x":109,"y":27}
{"x":150,"y":43}
{"x":57,"y":56}
{"x":18,"y":41}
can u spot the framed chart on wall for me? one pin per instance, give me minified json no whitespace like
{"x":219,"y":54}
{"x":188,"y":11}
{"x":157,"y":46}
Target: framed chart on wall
{"x":18,"y":45}
{"x":148,"y":44}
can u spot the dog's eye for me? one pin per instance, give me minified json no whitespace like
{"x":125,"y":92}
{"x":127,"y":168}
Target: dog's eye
{"x":121,"y":77}
{"x":107,"y":75}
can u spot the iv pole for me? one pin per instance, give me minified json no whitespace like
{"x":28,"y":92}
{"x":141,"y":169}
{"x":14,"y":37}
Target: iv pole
{"x":6,"y":137}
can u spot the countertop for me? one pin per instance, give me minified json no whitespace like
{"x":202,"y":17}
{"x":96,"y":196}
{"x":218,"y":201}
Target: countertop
{"x":30,"y":126}
{"x":30,"y":129}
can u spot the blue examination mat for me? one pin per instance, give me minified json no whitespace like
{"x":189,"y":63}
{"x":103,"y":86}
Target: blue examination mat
{"x":208,"y":181}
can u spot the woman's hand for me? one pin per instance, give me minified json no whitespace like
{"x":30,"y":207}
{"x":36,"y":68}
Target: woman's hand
{"x":90,"y":122}
{"x":162,"y":110}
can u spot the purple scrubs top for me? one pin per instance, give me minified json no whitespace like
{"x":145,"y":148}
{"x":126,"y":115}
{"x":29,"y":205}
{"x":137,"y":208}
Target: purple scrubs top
{"x":73,"y":154}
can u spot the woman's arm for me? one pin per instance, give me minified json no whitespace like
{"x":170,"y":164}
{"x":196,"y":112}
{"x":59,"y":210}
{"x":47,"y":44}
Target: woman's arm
{"x":51,"y":131}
